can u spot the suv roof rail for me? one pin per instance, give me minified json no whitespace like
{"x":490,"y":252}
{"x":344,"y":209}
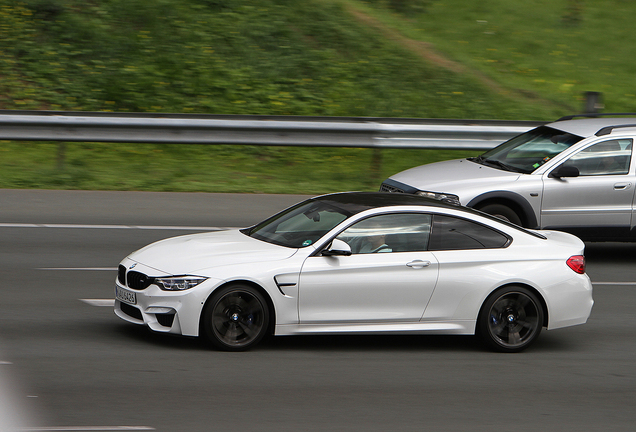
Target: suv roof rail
{"x":608,"y":129}
{"x":573,"y":116}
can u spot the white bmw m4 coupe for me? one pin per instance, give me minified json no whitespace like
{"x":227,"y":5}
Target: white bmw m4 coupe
{"x":363,"y":262}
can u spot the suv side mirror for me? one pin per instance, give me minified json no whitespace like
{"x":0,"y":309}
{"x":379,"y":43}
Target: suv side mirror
{"x":565,"y":171}
{"x":337,"y":247}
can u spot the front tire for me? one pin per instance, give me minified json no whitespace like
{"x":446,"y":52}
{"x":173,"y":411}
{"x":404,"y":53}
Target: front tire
{"x":235,"y":318}
{"x":502,"y":212}
{"x":510,"y":319}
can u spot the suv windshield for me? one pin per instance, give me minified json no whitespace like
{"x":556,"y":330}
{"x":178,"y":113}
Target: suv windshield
{"x":527,"y":152}
{"x":300,"y":225}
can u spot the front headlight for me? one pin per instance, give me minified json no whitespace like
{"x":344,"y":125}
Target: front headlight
{"x":450,"y":198}
{"x":178,"y":283}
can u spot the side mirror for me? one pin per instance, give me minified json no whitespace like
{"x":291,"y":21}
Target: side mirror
{"x":337,"y":248}
{"x":565,"y":171}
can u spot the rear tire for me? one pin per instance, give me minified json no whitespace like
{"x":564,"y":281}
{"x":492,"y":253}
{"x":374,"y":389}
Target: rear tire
{"x":510,"y":319}
{"x":502,"y":212}
{"x":235,"y":318}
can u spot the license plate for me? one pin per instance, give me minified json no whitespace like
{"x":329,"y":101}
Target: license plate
{"x":125,"y":295}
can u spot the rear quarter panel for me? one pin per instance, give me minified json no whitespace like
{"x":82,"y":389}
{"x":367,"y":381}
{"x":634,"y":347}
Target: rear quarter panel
{"x":468,"y":277}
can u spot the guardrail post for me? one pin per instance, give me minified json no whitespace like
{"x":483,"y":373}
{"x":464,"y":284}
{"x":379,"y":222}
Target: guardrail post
{"x":376,"y":165}
{"x":593,"y":102}
{"x":61,"y":155}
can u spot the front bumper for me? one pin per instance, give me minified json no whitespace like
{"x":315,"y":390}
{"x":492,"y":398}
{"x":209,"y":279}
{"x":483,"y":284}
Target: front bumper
{"x":175,"y":312}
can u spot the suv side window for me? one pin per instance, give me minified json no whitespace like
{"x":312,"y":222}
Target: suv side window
{"x":451,"y":233}
{"x":605,"y":158}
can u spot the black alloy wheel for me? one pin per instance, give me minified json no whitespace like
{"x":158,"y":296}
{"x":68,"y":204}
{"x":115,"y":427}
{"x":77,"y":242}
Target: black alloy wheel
{"x":235,"y":318}
{"x":510,"y":319}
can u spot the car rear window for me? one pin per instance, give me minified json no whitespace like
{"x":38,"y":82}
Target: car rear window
{"x":452,"y":233}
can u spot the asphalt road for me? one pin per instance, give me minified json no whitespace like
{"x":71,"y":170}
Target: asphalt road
{"x":68,"y":364}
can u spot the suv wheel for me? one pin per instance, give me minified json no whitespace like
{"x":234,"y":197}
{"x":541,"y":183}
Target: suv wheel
{"x":502,"y":212}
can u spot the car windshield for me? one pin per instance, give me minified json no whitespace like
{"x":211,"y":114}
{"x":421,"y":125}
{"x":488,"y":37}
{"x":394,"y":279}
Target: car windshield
{"x":299,"y":226}
{"x":527,"y":152}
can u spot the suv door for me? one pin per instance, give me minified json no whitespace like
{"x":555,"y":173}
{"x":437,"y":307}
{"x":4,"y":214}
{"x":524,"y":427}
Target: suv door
{"x":598,"y":202}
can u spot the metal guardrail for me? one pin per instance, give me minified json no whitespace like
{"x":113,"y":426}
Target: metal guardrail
{"x":368,"y":132}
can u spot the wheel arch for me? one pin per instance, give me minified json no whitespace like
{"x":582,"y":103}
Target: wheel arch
{"x":536,"y":292}
{"x":270,"y":304}
{"x":516,"y":202}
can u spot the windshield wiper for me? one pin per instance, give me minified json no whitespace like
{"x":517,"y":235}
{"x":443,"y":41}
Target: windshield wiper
{"x":492,"y":162}
{"x":479,"y":159}
{"x":501,"y":165}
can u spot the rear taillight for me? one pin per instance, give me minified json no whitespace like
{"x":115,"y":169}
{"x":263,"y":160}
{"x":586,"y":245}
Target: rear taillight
{"x":577,"y":263}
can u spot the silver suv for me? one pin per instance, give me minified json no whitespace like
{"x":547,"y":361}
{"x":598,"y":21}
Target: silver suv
{"x":574,"y":175}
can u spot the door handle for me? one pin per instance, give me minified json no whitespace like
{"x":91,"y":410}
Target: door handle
{"x":622,"y":186}
{"x":418,"y":264}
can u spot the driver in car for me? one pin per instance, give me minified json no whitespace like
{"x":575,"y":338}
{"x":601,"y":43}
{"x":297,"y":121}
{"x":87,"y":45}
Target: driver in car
{"x":374,"y":243}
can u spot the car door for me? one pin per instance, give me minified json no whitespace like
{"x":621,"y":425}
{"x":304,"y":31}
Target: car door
{"x":388,"y":277}
{"x":598,"y":202}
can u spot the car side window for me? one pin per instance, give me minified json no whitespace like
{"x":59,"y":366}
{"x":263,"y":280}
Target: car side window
{"x":610,"y":157}
{"x":395,"y":232}
{"x":451,"y":233}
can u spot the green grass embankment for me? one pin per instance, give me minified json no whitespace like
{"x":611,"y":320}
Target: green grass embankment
{"x":288,"y":57}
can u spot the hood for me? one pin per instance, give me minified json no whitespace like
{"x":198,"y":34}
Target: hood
{"x":192,"y":254}
{"x":452,"y":176}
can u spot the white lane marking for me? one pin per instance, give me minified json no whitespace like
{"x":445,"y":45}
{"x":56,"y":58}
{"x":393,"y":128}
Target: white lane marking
{"x":145,"y":227}
{"x":614,"y":283}
{"x":111,"y":302}
{"x":99,"y":302}
{"x":5,"y":362}
{"x":79,"y":268}
{"x":84,"y":428}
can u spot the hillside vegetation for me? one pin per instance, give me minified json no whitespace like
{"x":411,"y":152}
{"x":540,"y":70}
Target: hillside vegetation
{"x":419,"y":58}
{"x":553,"y":50}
